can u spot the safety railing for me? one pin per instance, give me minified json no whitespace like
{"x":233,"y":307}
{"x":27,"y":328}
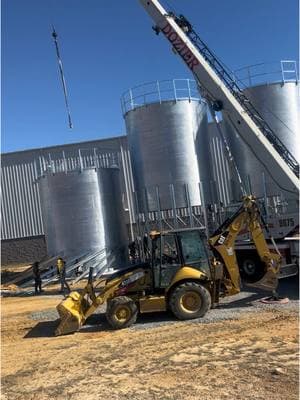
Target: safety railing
{"x":266,"y":73}
{"x":159,"y":91}
{"x":86,"y":158}
{"x":236,"y":89}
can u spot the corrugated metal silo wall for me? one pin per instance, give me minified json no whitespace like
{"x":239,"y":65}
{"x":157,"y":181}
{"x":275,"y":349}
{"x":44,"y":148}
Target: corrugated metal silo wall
{"x":72,"y":212}
{"x":279,"y":104}
{"x":116,"y":238}
{"x":20,"y":206}
{"x":83,"y":212}
{"x":161,"y":141}
{"x":215,"y":171}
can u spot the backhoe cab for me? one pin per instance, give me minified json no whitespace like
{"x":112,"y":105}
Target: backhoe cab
{"x":185,"y":273}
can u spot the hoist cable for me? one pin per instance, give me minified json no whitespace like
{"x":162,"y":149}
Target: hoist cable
{"x":63,"y":81}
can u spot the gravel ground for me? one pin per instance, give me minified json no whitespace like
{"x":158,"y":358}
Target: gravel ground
{"x":230,"y":308}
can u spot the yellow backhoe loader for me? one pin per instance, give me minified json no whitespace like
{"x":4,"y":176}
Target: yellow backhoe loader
{"x":186,"y":274}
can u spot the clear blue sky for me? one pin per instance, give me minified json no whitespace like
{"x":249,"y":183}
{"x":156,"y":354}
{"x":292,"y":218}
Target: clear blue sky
{"x":107,"y":47}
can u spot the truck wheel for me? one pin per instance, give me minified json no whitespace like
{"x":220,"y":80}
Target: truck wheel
{"x":121,"y":312}
{"x":252,"y":268}
{"x":190,"y":300}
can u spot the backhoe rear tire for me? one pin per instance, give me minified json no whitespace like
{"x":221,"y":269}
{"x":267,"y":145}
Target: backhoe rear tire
{"x":190,"y":300}
{"x":121,"y":312}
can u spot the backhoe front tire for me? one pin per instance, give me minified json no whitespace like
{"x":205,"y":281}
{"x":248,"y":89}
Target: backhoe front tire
{"x":190,"y":300}
{"x":121,"y":312}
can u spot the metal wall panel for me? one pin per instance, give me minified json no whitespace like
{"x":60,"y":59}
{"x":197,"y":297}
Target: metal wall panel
{"x":20,"y":206}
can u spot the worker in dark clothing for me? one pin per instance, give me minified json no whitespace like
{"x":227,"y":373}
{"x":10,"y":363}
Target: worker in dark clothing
{"x":132,"y":252}
{"x":61,"y":270}
{"x":37,"y":277}
{"x":146,"y":246}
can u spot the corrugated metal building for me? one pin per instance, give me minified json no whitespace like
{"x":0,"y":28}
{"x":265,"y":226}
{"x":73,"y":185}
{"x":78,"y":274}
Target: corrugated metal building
{"x":22,"y":230}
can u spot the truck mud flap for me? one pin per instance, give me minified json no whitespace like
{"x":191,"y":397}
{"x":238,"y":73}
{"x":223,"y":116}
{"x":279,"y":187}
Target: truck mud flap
{"x":288,"y":270}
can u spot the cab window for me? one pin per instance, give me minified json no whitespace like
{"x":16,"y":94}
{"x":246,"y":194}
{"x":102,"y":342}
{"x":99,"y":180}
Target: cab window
{"x":169,"y":250}
{"x":156,"y":251}
{"x":193,"y":248}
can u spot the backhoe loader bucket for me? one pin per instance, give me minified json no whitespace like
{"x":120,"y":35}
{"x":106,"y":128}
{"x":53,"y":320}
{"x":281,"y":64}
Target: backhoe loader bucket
{"x":72,"y":313}
{"x":268,"y":282}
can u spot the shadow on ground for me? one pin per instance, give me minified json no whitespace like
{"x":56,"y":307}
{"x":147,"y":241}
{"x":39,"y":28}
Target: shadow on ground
{"x":98,"y":322}
{"x":95,"y":323}
{"x":42,"y":329}
{"x":288,"y":287}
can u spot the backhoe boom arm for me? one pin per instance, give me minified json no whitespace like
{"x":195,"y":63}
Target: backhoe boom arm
{"x":223,"y":240}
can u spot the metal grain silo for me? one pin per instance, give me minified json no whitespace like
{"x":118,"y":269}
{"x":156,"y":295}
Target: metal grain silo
{"x":279,"y":104}
{"x":162,"y":121}
{"x":82,"y":212}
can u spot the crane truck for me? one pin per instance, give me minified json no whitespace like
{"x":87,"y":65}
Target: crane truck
{"x":187,"y":272}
